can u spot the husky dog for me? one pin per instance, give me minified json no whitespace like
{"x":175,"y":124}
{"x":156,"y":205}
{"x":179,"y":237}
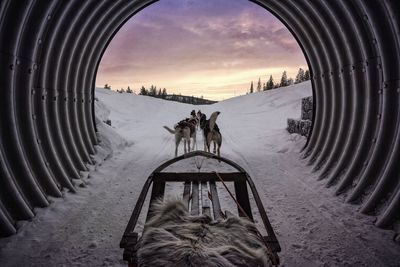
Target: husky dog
{"x":202,"y":119}
{"x":185,"y":129}
{"x":195,"y":118}
{"x":211,"y":132}
{"x":199,"y":115}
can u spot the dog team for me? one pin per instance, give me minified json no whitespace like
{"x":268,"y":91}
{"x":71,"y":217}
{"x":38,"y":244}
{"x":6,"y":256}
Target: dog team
{"x":186,"y":130}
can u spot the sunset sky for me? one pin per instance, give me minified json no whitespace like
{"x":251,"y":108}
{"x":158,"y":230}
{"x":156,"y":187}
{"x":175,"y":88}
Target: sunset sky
{"x":210,"y":48}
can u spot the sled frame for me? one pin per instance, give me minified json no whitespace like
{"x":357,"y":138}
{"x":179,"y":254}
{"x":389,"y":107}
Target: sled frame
{"x":199,"y":187}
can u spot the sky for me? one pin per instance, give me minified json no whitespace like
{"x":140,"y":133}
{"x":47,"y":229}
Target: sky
{"x":209,"y":48}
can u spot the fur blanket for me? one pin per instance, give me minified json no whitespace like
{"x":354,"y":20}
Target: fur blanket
{"x":174,"y":238}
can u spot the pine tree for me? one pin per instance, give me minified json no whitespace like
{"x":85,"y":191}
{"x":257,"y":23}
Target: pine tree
{"x":290,"y":81}
{"x":251,"y":88}
{"x":143,"y":91}
{"x":300,"y":76}
{"x":159,"y":94}
{"x":106,"y":86}
{"x":152,"y":91}
{"x":129,"y":90}
{"x":307,"y":75}
{"x":284,"y":79}
{"x":270,"y":83}
{"x":259,"y":85}
{"x":164,"y":93}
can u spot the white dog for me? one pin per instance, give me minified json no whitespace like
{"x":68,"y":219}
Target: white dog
{"x":185,"y":129}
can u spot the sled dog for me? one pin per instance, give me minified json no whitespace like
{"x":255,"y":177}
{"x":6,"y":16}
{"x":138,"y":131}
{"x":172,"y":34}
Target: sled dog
{"x":195,"y":118}
{"x":211,"y":132}
{"x":185,"y":129}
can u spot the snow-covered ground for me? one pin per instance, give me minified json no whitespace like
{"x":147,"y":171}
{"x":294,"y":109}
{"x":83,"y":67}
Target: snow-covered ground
{"x":314,"y":227}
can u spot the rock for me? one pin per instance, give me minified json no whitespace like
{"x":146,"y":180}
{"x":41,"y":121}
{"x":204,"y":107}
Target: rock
{"x":301,"y":127}
{"x":293,"y":126}
{"x":307,"y":108}
{"x":304,"y":127}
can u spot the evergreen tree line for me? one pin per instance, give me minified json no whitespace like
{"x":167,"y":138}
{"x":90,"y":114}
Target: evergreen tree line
{"x":162,"y":93}
{"x":189,"y":99}
{"x":174,"y":97}
{"x":302,"y":75}
{"x":122,"y":90}
{"x":152,"y":91}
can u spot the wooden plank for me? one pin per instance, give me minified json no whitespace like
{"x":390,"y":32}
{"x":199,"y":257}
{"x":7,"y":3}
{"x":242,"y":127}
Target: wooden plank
{"x":272,"y":243}
{"x":130,"y":250}
{"x":204,"y":199}
{"x":198,"y":176}
{"x":135,"y":213}
{"x":198,"y":153}
{"x":195,"y":198}
{"x":186,"y":194}
{"x":263,"y":214}
{"x":215,"y":201}
{"x":242,"y":197}
{"x":156,"y":193}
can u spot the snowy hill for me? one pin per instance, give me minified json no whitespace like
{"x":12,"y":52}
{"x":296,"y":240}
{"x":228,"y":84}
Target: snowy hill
{"x":314,"y":227}
{"x":251,"y":116}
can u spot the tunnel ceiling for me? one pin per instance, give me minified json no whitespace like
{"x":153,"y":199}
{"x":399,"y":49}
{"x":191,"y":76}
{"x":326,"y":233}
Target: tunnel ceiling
{"x":50,"y":51}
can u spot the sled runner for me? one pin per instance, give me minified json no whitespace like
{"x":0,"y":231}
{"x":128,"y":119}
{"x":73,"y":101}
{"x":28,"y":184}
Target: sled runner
{"x":200,"y":196}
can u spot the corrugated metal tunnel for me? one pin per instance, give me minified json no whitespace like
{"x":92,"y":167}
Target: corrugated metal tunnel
{"x":50,"y":51}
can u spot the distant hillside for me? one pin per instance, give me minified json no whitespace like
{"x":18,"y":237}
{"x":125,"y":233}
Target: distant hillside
{"x":162,"y":93}
{"x":189,"y":99}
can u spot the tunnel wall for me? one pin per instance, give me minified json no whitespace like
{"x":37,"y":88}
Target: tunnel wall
{"x":49,"y":55}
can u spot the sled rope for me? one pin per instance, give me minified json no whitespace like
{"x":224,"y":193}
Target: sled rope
{"x":269,"y":250}
{"x":199,"y":164}
{"x":230,"y":193}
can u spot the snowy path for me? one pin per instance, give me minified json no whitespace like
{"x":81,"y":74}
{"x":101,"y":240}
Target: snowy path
{"x":314,"y":227}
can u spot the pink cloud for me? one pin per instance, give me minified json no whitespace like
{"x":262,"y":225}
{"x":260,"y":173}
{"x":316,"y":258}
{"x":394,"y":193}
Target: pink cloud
{"x":178,"y":37}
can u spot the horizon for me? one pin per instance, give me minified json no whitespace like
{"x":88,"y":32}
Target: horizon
{"x":213,"y":49}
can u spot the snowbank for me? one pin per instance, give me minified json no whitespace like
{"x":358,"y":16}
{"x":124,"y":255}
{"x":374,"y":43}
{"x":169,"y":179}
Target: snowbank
{"x":314,"y":227}
{"x":109,"y":139}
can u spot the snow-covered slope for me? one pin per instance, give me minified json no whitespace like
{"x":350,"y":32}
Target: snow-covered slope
{"x":314,"y":227}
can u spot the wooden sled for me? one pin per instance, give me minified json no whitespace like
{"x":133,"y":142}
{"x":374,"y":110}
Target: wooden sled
{"x":200,"y":187}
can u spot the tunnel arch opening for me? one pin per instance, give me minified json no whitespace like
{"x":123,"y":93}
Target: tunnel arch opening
{"x":234,"y":39}
{"x":50,"y":53}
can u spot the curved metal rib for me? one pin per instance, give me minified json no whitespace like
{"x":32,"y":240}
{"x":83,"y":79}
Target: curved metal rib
{"x":49,"y":56}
